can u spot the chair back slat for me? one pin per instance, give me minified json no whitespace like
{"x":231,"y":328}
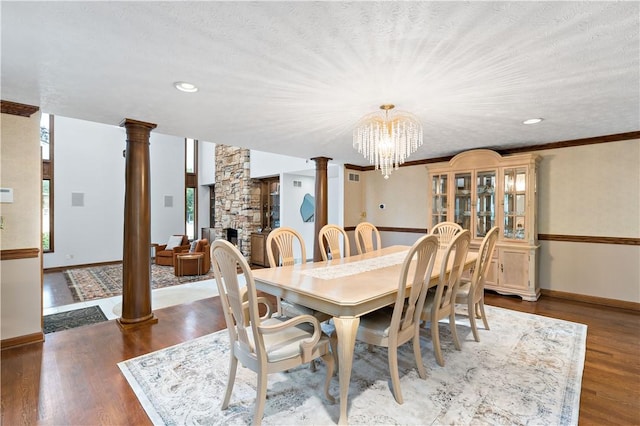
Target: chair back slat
{"x":445,"y":231}
{"x":450,"y":278}
{"x":329,"y":236}
{"x":408,"y":307}
{"x":364,"y":236}
{"x":285,"y":240}
{"x":226,"y":260}
{"x":481,"y":269}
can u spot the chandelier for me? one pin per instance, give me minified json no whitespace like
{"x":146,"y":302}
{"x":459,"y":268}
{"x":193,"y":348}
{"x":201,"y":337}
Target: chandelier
{"x":386,"y":138}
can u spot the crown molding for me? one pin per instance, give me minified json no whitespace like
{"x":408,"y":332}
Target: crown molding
{"x":14,"y":108}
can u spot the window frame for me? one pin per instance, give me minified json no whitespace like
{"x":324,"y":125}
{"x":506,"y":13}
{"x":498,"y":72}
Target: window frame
{"x":191,"y":182}
{"x":47,"y":175}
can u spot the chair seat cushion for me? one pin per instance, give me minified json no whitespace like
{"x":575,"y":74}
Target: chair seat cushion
{"x":463,"y":291}
{"x":291,"y":309}
{"x":285,"y":344}
{"x":376,"y":323}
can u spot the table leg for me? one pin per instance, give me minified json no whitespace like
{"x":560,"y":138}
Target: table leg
{"x":346,"y":328}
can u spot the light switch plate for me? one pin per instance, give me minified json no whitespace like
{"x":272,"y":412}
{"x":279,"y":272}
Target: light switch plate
{"x":6,"y":195}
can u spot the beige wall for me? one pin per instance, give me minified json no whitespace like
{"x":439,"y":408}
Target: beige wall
{"x":590,"y":190}
{"x":354,"y":199}
{"x":21,"y":280}
{"x":404,"y":196}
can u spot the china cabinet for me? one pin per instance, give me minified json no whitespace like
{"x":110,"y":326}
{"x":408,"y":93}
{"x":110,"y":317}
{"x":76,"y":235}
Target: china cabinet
{"x":480,"y":189}
{"x":270,"y":203}
{"x":270,"y":214}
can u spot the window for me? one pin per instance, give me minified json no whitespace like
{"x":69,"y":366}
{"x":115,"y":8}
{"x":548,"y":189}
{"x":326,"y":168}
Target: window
{"x":46,"y":147}
{"x":191,"y":187}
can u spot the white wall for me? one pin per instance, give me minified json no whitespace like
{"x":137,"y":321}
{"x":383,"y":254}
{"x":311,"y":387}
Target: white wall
{"x":206,"y":163}
{"x":265,"y":164}
{"x":88,"y":160}
{"x":290,"y":201}
{"x":167,"y":179}
{"x":206,"y":178}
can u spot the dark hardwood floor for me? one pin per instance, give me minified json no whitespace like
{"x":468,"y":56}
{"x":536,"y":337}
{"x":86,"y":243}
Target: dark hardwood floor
{"x":72,"y":378}
{"x":55,"y":291}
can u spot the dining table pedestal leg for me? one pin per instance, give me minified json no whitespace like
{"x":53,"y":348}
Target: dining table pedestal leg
{"x":346,"y":328}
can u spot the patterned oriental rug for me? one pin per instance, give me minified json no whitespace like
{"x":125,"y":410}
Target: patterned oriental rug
{"x":72,"y":319}
{"x":99,"y":282}
{"x":526,"y":370}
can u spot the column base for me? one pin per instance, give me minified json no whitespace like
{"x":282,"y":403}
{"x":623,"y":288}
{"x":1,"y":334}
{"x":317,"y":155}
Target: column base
{"x":127,"y":325}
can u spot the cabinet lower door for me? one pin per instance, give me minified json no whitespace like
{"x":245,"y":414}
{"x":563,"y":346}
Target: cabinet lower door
{"x":514,"y":268}
{"x":258,"y":252}
{"x":514,"y":277}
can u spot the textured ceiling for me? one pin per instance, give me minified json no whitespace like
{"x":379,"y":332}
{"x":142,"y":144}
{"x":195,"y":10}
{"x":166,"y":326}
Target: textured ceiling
{"x":294,"y":77}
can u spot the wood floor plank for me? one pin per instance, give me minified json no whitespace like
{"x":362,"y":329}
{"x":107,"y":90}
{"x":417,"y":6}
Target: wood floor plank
{"x":72,"y":378}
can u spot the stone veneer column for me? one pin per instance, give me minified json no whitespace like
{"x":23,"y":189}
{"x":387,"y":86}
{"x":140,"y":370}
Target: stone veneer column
{"x":237,"y":196}
{"x":321,"y":215}
{"x":136,"y":260}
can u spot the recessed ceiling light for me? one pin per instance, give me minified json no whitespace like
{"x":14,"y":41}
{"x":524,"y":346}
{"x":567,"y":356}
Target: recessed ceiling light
{"x":532,"y":121}
{"x":183,"y":86}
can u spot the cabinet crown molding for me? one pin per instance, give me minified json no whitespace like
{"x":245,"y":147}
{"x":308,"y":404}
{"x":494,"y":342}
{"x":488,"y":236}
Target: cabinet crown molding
{"x":487,"y":157}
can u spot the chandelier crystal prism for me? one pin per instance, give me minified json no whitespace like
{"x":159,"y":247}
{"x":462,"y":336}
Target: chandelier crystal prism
{"x":387,"y":137}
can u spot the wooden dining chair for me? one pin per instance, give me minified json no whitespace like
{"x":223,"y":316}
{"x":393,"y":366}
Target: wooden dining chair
{"x":396,"y":325}
{"x":471,"y":292}
{"x":445,"y":231}
{"x":365,"y":233}
{"x":440,"y":303}
{"x":281,"y":243}
{"x":267,"y":344}
{"x":329,"y":236}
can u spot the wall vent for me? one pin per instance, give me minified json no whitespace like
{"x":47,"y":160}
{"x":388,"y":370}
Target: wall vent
{"x":297,"y":184}
{"x":77,"y":199}
{"x":168,"y":200}
{"x":354,"y":177}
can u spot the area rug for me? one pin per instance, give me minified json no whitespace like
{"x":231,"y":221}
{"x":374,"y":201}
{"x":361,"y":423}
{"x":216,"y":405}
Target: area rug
{"x":73,"y":319}
{"x":99,"y":282}
{"x":526,"y":370}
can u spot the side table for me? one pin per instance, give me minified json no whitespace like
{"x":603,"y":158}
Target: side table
{"x":182,"y":257}
{"x":154,"y":247}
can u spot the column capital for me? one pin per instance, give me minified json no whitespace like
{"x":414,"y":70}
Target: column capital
{"x":321,"y":162}
{"x":128,"y":122}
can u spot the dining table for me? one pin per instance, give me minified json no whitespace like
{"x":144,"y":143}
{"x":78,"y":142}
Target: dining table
{"x":345,"y":288}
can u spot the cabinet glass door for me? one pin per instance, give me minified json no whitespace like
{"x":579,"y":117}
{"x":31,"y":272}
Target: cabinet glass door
{"x":274,"y":204}
{"x":462,"y":202}
{"x":439,"y":199}
{"x":486,"y":202}
{"x":515,"y":196}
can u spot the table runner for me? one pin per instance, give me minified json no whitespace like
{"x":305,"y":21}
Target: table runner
{"x":353,"y":268}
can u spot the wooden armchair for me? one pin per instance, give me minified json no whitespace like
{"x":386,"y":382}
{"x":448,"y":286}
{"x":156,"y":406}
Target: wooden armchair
{"x":164,"y":255}
{"x":193,"y":266}
{"x":264,"y":344}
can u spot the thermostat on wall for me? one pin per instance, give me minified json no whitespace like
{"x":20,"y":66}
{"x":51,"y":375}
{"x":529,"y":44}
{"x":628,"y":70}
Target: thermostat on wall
{"x":6,"y":195}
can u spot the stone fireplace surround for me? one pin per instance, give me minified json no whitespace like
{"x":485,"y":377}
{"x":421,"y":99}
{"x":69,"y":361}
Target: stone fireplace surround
{"x":237,"y":196}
